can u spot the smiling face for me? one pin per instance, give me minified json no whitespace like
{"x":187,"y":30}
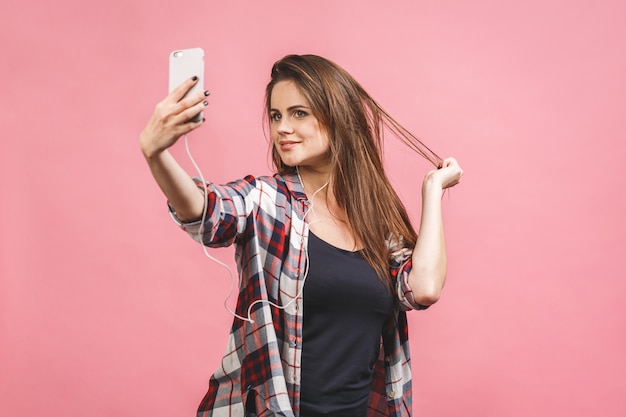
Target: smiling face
{"x":295,"y":131}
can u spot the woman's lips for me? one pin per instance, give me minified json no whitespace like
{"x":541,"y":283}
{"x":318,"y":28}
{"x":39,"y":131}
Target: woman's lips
{"x":287,"y":145}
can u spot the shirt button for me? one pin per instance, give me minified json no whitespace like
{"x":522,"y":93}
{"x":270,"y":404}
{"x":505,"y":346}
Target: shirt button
{"x":387,"y":358}
{"x":392,"y":394}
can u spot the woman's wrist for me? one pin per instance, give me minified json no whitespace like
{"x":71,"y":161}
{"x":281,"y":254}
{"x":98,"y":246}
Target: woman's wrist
{"x":431,"y":187}
{"x":149,"y":152}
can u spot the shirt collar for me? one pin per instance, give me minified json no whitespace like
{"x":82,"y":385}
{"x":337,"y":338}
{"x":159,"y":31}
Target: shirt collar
{"x":295,"y":186}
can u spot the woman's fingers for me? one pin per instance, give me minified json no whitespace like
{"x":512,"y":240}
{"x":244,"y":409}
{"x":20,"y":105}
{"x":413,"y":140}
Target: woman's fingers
{"x":192,"y":104}
{"x":173,"y":119}
{"x":178,"y":101}
{"x":190,"y":113}
{"x":448,"y":175}
{"x":453,"y":172}
{"x":183,"y":121}
{"x":168,"y":113}
{"x":179,"y":92}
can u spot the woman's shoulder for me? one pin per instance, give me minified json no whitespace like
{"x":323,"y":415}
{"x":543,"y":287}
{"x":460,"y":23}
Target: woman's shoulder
{"x":273,"y":196}
{"x":286,"y":184}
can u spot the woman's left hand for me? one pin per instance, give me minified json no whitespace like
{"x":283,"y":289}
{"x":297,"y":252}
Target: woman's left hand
{"x":447,"y":176}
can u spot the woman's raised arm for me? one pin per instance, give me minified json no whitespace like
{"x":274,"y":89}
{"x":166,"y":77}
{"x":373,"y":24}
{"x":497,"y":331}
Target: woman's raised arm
{"x":428,"y":273}
{"x":170,"y":120}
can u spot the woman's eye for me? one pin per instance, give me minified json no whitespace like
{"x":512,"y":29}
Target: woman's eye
{"x":275,"y":117}
{"x":299,"y":113}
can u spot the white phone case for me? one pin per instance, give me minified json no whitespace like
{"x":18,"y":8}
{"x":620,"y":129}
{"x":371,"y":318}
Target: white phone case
{"x":184,"y":64}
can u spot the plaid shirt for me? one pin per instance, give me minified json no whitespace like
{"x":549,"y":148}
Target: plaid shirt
{"x":264,"y":218}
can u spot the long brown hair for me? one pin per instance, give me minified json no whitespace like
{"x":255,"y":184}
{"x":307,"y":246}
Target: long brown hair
{"x":355,"y":125}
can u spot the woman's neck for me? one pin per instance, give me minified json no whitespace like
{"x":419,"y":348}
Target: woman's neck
{"x":327,"y":219}
{"x":319,"y":189}
{"x":314,"y":181}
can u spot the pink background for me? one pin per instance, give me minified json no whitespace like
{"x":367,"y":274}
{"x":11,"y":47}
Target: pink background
{"x":108,"y":309}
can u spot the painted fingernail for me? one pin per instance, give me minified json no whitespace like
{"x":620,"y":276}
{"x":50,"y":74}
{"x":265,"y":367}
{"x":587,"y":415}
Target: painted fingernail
{"x":194,"y":78}
{"x":206,"y":103}
{"x":206,"y":93}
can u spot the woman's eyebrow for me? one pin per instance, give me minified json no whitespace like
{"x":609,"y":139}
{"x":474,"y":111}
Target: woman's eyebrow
{"x":294,"y":107}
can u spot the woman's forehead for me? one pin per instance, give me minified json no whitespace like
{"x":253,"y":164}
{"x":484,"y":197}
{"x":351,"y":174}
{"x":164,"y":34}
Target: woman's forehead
{"x":286,"y":94}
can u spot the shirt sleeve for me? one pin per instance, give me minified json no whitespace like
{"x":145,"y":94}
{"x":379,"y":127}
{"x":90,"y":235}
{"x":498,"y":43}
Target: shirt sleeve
{"x":401,"y":264}
{"x":227,"y":211}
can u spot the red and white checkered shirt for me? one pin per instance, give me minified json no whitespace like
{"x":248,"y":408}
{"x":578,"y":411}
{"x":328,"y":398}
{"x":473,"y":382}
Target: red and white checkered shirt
{"x":265,"y":219}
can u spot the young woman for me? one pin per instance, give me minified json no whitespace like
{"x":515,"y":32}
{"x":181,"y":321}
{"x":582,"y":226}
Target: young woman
{"x":327,"y":257}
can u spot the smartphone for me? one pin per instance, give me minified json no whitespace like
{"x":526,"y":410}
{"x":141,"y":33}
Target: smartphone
{"x":184,"y":64}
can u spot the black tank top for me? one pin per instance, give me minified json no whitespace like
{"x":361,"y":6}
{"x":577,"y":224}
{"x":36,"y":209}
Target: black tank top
{"x":345,"y":307}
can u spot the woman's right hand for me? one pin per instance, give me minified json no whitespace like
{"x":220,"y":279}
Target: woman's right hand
{"x":172,"y":118}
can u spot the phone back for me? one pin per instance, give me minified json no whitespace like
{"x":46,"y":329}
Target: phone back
{"x":184,"y":64}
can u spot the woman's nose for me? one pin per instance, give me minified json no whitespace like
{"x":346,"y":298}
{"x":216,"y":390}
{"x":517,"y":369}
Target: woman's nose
{"x":284,"y":126}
